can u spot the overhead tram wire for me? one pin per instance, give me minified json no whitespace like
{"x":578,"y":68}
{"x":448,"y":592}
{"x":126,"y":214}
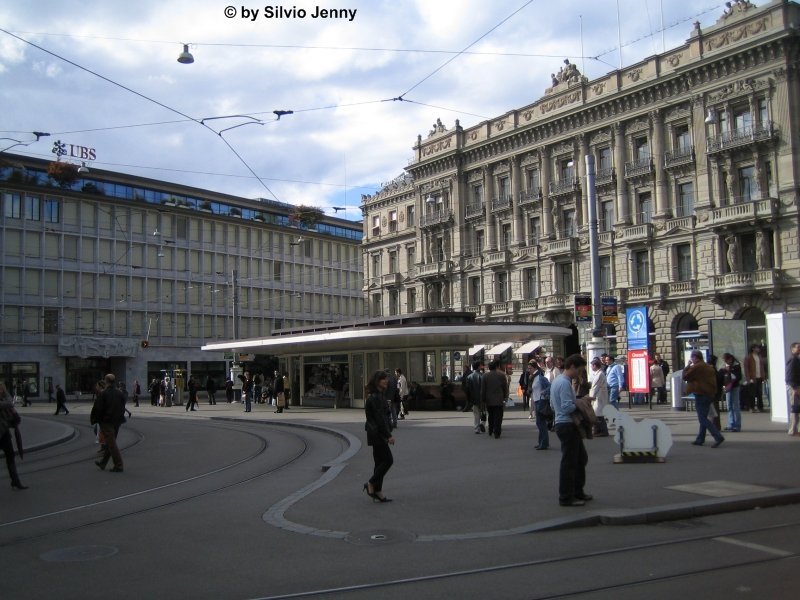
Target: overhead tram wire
{"x":143,"y":96}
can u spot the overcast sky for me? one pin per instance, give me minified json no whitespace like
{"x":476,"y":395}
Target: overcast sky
{"x":346,"y":134}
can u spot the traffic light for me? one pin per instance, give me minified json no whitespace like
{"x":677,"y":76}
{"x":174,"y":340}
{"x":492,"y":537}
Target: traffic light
{"x":145,"y":344}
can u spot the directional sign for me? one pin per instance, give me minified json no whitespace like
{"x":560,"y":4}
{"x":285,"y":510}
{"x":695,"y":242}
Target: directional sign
{"x":636,"y":322}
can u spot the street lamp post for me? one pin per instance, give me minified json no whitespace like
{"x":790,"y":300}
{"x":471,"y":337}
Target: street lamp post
{"x":596,"y":346}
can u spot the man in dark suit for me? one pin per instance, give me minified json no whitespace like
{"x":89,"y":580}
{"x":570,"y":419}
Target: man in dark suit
{"x":109,"y":413}
{"x":61,"y":400}
{"x":494,"y":390}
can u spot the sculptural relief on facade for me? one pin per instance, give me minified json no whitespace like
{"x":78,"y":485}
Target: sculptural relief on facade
{"x":86,"y":347}
{"x":438,"y":127}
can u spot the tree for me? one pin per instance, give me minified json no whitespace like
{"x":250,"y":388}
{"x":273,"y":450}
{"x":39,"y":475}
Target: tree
{"x":307,"y":216}
{"x":63,"y":173}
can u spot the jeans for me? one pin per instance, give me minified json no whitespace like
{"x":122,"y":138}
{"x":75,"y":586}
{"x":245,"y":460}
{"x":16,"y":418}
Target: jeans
{"x":541,"y":425}
{"x":572,"y":473}
{"x":734,"y":409}
{"x":702,"y":404}
{"x":613,"y":396}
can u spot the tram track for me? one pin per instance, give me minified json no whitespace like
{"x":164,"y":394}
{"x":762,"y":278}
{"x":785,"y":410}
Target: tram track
{"x":398,"y":585}
{"x":262,"y":448}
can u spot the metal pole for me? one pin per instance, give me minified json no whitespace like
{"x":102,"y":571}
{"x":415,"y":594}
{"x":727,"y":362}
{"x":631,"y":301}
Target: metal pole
{"x":235,"y":307}
{"x":595,"y":347}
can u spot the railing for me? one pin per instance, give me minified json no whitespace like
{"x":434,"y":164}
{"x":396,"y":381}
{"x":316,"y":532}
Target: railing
{"x":390,"y":279}
{"x":746,"y":211}
{"x":493,"y":259}
{"x":637,"y":232}
{"x":681,"y":223}
{"x":735,"y":282}
{"x":681,"y":288}
{"x":502,"y":203}
{"x":740,"y":137}
{"x":434,"y":268}
{"x":561,"y":246}
{"x":436,"y":218}
{"x":564,"y":186}
{"x":556,"y":301}
{"x":681,"y":156}
{"x":473,"y":210}
{"x":637,"y":168}
{"x":530,"y":196}
{"x":604,"y":176}
{"x":528,"y":252}
{"x":502,"y":307}
{"x":525,"y":305}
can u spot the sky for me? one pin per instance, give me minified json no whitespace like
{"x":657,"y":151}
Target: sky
{"x":362,"y":81}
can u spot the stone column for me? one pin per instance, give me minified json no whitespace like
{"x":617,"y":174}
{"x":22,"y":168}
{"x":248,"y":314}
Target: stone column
{"x":516,"y":190}
{"x":491,"y":228}
{"x":547,"y":206}
{"x":658,"y":151}
{"x":623,"y":216}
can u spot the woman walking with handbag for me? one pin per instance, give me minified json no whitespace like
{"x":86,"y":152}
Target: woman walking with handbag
{"x":379,"y":436}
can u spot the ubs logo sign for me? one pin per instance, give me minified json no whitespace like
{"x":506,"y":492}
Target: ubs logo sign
{"x":80,"y":152}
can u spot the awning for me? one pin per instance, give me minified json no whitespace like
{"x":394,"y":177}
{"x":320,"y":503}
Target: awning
{"x":475,"y":349}
{"x":499,"y":348}
{"x":529,"y":347}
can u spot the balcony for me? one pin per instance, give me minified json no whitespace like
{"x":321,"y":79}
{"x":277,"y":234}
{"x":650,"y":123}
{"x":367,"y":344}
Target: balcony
{"x":636,"y":233}
{"x":737,"y":138}
{"x":746,"y":212}
{"x":639,"y":168}
{"x":681,"y":288}
{"x":604,"y":176}
{"x":528,"y":252}
{"x":564,"y":186}
{"x":686,"y":223}
{"x":469,"y":263}
{"x":529,"y":197}
{"x":562,"y":246}
{"x":556,"y":302}
{"x":679,"y":157}
{"x":501,"y":204}
{"x":501,"y":258}
{"x":474,"y":308}
{"x":438,"y":217}
{"x":735,"y":283}
{"x":503,"y":308}
{"x":391,"y":279}
{"x":645,"y":292}
{"x":442,"y":267}
{"x":475,"y":210}
{"x":528,"y":305}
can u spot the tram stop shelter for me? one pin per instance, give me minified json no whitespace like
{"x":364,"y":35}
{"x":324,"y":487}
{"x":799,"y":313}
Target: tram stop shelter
{"x":329,"y":365}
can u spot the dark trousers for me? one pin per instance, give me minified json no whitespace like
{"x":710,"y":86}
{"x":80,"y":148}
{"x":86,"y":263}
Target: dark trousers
{"x":382,"y":455}
{"x":8,"y":449}
{"x":495,"y":420}
{"x":112,"y":450}
{"x":757,"y":389}
{"x":572,"y":474}
{"x":61,"y":406}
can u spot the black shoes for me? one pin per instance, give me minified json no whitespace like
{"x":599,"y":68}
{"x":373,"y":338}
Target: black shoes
{"x":572,"y":502}
{"x":19,"y":486}
{"x":718,"y":443}
{"x":116,"y":470}
{"x":100,"y":465}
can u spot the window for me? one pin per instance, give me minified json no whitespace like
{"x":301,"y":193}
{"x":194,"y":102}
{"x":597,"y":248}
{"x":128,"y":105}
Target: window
{"x":52,"y":211}
{"x":763,"y":112}
{"x":410,"y":216}
{"x":505,"y":236}
{"x":531,"y":283}
{"x":393,"y":221}
{"x":475,"y":291}
{"x":570,"y":225}
{"x":747,"y":184}
{"x":743,"y":120}
{"x":564,"y":278}
{"x":12,"y":206}
{"x":411,"y":258}
{"x":606,"y":215}
{"x":479,"y":242}
{"x":376,"y":305}
{"x":33,"y":208}
{"x":182,"y":228}
{"x":641,"y":149}
{"x":394,"y":302}
{"x":376,"y":225}
{"x":604,"y":159}
{"x":393,"y":261}
{"x":683,"y":262}
{"x":605,"y":273}
{"x":50,"y":320}
{"x":477,"y":194}
{"x":645,"y":208}
{"x":535,"y":228}
{"x":411,"y":300}
{"x":683,"y":142}
{"x":276,"y":270}
{"x":503,"y":189}
{"x":685,"y":199}
{"x":641,"y":265}
{"x":534,"y":181}
{"x":376,"y":265}
{"x":502,"y":287}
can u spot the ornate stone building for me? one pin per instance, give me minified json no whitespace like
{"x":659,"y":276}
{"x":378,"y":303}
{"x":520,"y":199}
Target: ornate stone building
{"x":696,"y":185}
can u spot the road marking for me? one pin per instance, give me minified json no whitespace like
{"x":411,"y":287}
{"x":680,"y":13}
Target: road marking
{"x":750,"y":545}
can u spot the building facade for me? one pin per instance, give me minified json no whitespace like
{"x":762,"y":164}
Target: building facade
{"x":106,"y":272}
{"x":696,"y":186}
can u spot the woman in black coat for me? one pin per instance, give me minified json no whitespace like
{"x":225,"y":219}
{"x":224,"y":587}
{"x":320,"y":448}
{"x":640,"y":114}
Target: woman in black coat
{"x":379,"y":436}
